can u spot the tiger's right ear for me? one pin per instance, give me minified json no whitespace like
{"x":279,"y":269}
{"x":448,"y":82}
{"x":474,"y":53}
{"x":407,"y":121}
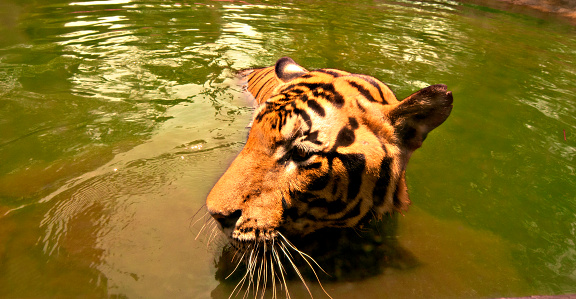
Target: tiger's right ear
{"x":421,"y":112}
{"x":287,"y":70}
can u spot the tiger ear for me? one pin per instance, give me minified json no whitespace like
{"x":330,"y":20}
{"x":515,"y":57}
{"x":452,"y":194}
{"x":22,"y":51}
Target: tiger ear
{"x":286,"y":69}
{"x":417,"y":115}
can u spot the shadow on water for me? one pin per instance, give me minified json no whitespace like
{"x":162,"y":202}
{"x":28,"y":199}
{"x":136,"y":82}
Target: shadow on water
{"x":344,"y":255}
{"x":404,"y":256}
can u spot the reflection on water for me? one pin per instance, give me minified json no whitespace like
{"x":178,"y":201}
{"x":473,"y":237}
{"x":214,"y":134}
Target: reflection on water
{"x":116,"y":117}
{"x":137,"y":206}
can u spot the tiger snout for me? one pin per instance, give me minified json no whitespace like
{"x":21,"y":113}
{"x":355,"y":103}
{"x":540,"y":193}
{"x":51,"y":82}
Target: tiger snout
{"x":245,"y":210}
{"x":240,"y":228}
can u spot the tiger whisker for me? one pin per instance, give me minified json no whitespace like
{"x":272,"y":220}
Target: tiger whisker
{"x":263,"y":259}
{"x":281,"y":272}
{"x":251,"y":267}
{"x":304,"y":254}
{"x":195,"y":214}
{"x":239,"y":262}
{"x":280,"y":268}
{"x":215,"y":233}
{"x":265,"y":265}
{"x":200,"y":232}
{"x":289,"y":257}
{"x":260,"y":273}
{"x":249,"y":271}
{"x":206,"y":223}
{"x":306,"y":258}
{"x":273,"y":273}
{"x":281,"y":279}
{"x":256,"y":272}
{"x":200,"y":218}
{"x":236,"y":252}
{"x":313,"y":271}
{"x":239,"y":284}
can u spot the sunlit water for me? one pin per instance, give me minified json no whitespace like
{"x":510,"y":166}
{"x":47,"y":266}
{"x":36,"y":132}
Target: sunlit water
{"x":117,"y":117}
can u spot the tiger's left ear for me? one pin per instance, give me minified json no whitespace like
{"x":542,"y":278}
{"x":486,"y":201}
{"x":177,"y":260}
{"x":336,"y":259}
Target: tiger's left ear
{"x":417,"y":115}
{"x":287,"y":70}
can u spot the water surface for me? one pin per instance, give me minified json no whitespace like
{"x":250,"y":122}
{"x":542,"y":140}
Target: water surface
{"x":118,"y":116}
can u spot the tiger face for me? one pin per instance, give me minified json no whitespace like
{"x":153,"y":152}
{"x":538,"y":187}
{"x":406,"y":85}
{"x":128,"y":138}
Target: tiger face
{"x":327,"y":148}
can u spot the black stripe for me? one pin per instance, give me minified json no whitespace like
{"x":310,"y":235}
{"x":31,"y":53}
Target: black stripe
{"x":383,"y":181}
{"x":329,"y":72}
{"x":375,"y":84}
{"x":296,"y":91}
{"x":336,"y":206}
{"x":321,"y":182}
{"x":313,"y":104}
{"x":335,"y":185}
{"x":353,"y":212}
{"x":292,"y":213}
{"x":353,"y":123}
{"x":328,"y":92}
{"x":355,"y":165}
{"x":379,"y":91}
{"x":313,"y":137}
{"x":307,"y":198}
{"x":311,"y":166}
{"x":335,"y":97}
{"x":332,"y":207}
{"x":264,"y":74}
{"x":262,"y":87}
{"x":304,"y":116}
{"x":345,"y":138}
{"x":269,"y":90}
{"x":310,"y":86}
{"x":384,"y":149}
{"x":346,"y":135}
{"x":397,"y":202}
{"x":280,"y":121}
{"x":365,"y":92}
{"x":287,"y":88}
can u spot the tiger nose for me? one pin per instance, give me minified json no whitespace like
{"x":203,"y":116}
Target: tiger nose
{"x":227,"y":220}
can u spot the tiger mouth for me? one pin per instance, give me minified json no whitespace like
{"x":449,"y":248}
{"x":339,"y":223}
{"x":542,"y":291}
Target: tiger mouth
{"x":245,"y":237}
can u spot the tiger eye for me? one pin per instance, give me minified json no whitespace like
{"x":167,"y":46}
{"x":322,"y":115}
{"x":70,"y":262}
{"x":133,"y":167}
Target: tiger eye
{"x":300,"y":155}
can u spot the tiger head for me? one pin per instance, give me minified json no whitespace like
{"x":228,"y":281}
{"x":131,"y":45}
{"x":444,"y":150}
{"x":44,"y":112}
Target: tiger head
{"x":327,"y":148}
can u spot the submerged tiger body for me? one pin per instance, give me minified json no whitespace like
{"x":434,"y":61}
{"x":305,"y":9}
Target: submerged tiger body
{"x":327,"y":148}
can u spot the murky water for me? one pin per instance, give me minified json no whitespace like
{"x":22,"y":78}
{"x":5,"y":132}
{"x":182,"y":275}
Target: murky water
{"x":117,"y":117}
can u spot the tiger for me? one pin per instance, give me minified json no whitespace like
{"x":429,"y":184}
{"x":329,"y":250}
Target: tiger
{"x":326,"y":149}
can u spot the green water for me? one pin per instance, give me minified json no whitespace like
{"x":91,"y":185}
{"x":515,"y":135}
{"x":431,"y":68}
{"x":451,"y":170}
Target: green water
{"x":117,"y":117}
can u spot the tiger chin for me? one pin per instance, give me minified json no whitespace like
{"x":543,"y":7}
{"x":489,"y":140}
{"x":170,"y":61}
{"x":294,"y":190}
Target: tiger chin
{"x":327,"y":151}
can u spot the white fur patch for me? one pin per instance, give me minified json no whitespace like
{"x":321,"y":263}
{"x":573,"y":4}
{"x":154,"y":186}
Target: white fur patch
{"x":293,"y":68}
{"x":291,"y":166}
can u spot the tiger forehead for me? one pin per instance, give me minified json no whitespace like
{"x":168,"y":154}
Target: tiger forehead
{"x":320,"y":100}
{"x":335,"y":86}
